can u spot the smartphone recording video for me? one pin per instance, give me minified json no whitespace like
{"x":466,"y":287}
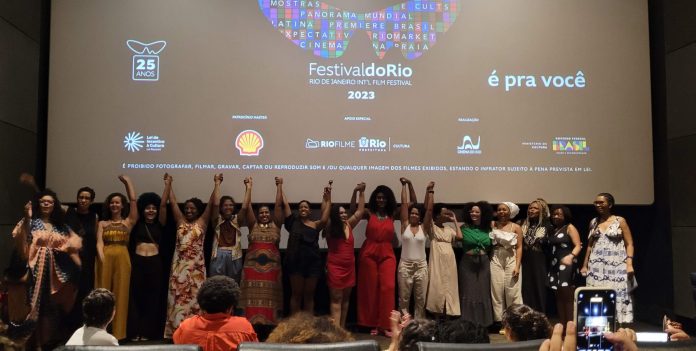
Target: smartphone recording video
{"x":595,"y":315}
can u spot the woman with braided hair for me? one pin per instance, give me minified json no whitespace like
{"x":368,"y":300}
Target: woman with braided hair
{"x":536,"y":229}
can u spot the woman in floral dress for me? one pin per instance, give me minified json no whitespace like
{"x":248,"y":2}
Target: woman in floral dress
{"x":188,"y":265}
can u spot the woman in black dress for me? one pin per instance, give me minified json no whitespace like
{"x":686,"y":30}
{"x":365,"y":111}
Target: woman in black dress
{"x":302,"y":259}
{"x":146,"y":275}
{"x":566,"y":247}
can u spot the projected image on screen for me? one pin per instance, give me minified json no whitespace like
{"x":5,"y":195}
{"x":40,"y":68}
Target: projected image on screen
{"x":497,"y":100}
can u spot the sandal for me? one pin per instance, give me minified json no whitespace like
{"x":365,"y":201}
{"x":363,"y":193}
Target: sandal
{"x":374,"y":332}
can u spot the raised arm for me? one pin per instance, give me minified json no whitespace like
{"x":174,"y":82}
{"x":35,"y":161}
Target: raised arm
{"x":628,"y":243}
{"x":133,"y":203}
{"x":453,"y":218}
{"x":286,"y":206}
{"x":411,"y":193}
{"x":246,"y":213}
{"x":28,"y":180}
{"x":214,"y":201}
{"x":165,"y":197}
{"x":21,"y":231}
{"x":176,"y":211}
{"x":403,"y":210}
{"x":278,"y":209}
{"x":325,"y":208}
{"x":428,"y":217}
{"x":360,"y":211}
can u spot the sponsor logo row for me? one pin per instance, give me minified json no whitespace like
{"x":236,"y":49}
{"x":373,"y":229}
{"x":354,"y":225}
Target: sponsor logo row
{"x":250,"y":143}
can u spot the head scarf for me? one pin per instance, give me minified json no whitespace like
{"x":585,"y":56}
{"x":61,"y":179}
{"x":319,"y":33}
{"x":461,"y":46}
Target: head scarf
{"x":514,"y":210}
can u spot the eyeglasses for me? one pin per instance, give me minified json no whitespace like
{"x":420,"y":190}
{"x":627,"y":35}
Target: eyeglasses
{"x":412,"y":26}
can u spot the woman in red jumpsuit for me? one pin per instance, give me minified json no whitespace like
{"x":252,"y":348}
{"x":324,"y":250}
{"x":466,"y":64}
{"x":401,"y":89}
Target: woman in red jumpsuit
{"x":377,"y":263}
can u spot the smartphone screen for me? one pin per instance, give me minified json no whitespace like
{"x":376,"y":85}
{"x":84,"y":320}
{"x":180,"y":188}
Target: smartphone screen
{"x":595,"y":315}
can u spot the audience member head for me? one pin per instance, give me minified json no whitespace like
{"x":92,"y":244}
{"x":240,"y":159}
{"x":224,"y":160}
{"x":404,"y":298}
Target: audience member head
{"x":98,"y":308}
{"x":218,"y":294}
{"x":522,"y":323}
{"x":304,"y":328}
{"x":415,"y":331}
{"x":462,"y":331}
{"x":382,"y":200}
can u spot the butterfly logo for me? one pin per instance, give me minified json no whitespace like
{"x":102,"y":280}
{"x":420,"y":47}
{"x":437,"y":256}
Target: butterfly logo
{"x":412,"y":26}
{"x":153,"y":48}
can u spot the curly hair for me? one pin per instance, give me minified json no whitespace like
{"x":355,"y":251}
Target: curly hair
{"x":304,"y":328}
{"x":57,"y":216}
{"x":525,"y":323}
{"x":462,"y":331}
{"x":388,"y":196}
{"x":98,"y":307}
{"x":486,"y":215}
{"x":218,"y":294}
{"x":418,"y":330}
{"x":106,"y":213}
{"x":146,"y":199}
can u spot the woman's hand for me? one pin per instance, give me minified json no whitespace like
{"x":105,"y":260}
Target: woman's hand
{"x":583,"y":271}
{"x":218,"y":178}
{"x":27,"y":210}
{"x":248,"y":182}
{"x":124,"y":179}
{"x":278,"y":181}
{"x":360,"y":187}
{"x":567,"y":260}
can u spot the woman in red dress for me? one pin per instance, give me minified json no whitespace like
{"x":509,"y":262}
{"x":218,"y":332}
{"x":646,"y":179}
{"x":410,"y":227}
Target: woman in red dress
{"x":340,"y":263}
{"x":377,"y":263}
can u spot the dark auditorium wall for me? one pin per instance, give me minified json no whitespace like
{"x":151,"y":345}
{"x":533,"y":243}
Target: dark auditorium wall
{"x":20,"y":86}
{"x":680,"y":78}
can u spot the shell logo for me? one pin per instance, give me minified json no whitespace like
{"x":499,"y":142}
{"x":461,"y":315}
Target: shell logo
{"x":249,"y":143}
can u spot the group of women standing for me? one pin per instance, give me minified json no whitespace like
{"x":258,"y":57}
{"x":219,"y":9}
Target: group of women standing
{"x":503,"y":263}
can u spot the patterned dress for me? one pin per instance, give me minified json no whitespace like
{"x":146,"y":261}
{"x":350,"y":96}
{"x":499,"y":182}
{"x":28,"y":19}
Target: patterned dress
{"x":560,"y":275}
{"x":187,"y":275}
{"x":51,"y":269}
{"x":262,"y":278}
{"x":607,"y":266}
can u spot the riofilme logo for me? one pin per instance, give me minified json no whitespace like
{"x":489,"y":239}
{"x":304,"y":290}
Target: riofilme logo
{"x":249,"y":143}
{"x":570,"y":146}
{"x":468,"y":147}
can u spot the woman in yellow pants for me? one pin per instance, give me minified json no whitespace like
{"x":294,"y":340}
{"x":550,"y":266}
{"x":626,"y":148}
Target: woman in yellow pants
{"x":113,"y":267}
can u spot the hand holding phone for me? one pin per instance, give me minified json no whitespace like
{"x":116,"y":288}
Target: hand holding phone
{"x":595,"y":316}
